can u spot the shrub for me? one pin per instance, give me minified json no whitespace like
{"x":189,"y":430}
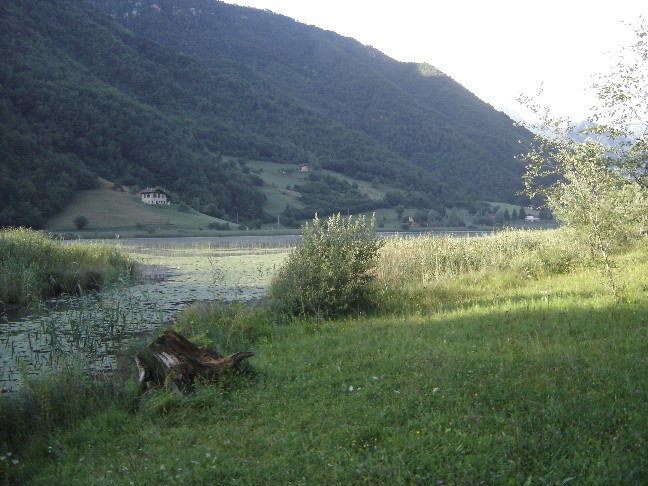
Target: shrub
{"x":81,"y":222}
{"x":330,"y":273}
{"x":219,"y":226}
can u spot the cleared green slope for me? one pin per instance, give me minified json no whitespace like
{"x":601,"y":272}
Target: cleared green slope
{"x":114,"y":211}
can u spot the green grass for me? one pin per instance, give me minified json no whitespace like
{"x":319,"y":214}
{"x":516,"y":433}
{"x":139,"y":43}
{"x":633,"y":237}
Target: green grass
{"x":33,"y":266}
{"x":277,"y":176}
{"x":113,"y":212}
{"x":506,"y":378}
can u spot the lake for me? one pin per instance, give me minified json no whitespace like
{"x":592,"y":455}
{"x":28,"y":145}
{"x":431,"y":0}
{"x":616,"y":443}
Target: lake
{"x":171,"y":273}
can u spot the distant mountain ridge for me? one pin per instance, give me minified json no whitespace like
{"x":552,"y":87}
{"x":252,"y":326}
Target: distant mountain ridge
{"x":155,"y":92}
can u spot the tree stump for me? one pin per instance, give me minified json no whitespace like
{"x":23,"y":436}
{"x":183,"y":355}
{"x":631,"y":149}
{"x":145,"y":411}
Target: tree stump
{"x":182,"y":362}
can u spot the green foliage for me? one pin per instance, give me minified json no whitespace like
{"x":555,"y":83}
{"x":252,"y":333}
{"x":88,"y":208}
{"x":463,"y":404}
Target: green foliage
{"x":622,"y":116}
{"x":219,"y":226}
{"x":454,"y":218}
{"x":329,"y":273}
{"x":81,"y":222}
{"x":588,"y":195}
{"x":434,"y":217}
{"x":587,"y":183}
{"x":33,"y":266}
{"x":326,"y":194}
{"x":382,"y":104}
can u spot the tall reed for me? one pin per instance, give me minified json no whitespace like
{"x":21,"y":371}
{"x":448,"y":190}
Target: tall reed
{"x":34,"y":266}
{"x":429,"y":258}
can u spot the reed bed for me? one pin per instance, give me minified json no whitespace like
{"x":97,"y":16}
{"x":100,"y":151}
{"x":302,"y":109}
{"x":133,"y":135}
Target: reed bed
{"x":34,"y":266}
{"x":217,"y":243}
{"x":431,"y":258}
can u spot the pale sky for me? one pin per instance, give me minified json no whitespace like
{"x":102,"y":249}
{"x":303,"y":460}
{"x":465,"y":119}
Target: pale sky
{"x":498,"y":49}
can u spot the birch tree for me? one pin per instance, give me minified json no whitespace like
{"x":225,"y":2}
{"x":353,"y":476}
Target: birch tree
{"x":597,"y":183}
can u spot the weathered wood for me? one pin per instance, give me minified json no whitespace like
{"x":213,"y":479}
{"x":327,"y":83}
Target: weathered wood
{"x":182,"y":362}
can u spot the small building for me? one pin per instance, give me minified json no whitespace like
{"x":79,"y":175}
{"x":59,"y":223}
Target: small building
{"x":305,"y":168}
{"x":531,"y":218}
{"x":154,"y":195}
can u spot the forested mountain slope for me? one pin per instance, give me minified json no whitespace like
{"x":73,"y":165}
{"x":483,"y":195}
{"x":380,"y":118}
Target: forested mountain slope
{"x":157,"y":96}
{"x":411,"y":109}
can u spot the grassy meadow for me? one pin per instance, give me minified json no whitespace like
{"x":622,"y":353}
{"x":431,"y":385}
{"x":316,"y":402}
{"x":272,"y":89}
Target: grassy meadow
{"x":500,"y":359}
{"x":112,"y":212}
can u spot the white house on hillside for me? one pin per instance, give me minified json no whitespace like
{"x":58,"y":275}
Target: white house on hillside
{"x":154,"y":195}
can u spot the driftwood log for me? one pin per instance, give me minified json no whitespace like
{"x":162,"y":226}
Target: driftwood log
{"x":182,"y":362}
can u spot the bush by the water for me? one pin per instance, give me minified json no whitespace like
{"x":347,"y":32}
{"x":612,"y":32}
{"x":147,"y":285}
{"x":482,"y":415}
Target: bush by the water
{"x":330,"y":273}
{"x":34,"y":266}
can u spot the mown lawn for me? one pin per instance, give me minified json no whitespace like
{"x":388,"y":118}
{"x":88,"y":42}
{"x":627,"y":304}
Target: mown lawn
{"x":517,"y":380}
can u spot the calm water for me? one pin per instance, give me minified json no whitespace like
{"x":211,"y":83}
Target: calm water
{"x":171,"y":273}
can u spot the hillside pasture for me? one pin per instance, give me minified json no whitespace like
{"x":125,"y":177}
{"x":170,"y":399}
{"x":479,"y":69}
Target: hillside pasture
{"x":119,"y":212}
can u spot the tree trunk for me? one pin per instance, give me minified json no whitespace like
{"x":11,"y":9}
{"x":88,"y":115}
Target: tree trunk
{"x":182,"y":362}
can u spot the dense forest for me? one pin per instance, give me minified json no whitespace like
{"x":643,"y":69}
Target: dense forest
{"x":155,"y":93}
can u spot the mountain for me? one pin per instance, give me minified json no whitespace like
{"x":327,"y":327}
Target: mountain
{"x":158,"y":92}
{"x":587,"y":130}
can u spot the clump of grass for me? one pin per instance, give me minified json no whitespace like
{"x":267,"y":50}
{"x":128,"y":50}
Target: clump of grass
{"x":433,"y":258}
{"x":33,"y":266}
{"x":427,"y":273}
{"x":60,"y":399}
{"x":229,"y":327}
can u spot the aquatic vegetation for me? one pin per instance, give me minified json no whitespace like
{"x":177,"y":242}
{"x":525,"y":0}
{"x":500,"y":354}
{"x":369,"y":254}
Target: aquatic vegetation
{"x":33,"y":266}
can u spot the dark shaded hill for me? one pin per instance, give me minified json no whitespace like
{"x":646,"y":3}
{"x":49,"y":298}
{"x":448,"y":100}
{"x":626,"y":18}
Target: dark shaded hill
{"x":158,"y":99}
{"x":411,"y":109}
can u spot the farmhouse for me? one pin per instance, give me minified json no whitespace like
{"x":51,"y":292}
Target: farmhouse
{"x":154,"y":195}
{"x":532,"y":218}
